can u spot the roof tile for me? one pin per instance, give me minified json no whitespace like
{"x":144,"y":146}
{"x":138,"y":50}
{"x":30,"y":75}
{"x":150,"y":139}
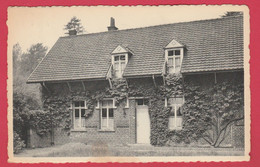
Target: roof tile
{"x":215,"y":44}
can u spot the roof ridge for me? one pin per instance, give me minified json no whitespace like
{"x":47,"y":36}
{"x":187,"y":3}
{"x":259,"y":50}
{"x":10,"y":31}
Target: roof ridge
{"x":168,"y":24}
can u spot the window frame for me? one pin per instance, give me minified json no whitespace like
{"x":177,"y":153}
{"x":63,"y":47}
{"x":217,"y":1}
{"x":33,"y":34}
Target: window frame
{"x":175,"y":111}
{"x":174,"y":58}
{"x":120,"y":63}
{"x":107,"y":128}
{"x":74,"y":108}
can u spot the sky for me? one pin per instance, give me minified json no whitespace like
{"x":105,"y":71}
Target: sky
{"x":31,"y":25}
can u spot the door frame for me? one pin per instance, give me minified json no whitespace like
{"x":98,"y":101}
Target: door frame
{"x":138,"y":98}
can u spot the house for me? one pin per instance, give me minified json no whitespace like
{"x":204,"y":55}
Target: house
{"x":95,"y":85}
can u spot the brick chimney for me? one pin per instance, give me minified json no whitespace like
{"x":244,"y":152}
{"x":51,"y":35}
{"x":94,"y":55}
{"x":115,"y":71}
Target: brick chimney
{"x":72,"y":32}
{"x":112,"y":26}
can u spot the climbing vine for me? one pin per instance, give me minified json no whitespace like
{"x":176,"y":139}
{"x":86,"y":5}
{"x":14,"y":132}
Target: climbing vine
{"x":200,"y":110}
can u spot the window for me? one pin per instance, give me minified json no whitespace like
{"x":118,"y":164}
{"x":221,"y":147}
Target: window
{"x":119,"y":65}
{"x":175,"y":119}
{"x":142,"y":102}
{"x":174,"y":61}
{"x":79,"y":111}
{"x":107,"y":114}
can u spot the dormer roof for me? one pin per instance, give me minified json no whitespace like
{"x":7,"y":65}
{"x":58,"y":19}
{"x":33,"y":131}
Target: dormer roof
{"x":174,"y":44}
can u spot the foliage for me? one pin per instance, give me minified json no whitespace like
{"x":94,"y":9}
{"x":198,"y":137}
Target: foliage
{"x":23,"y":66}
{"x":18,"y":143}
{"x":17,"y":51}
{"x":226,"y":107}
{"x":74,"y":24}
{"x":232,"y":13}
{"x":22,"y":104}
{"x":208,"y":114}
{"x":32,"y":58}
{"x":25,"y":97}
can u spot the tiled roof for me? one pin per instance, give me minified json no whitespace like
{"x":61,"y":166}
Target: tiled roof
{"x":211,"y":45}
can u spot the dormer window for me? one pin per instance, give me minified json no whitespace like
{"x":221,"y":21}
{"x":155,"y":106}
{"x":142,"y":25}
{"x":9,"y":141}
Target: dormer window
{"x":119,"y":65}
{"x":174,"y":61}
{"x":173,"y":56}
{"x":120,"y":58}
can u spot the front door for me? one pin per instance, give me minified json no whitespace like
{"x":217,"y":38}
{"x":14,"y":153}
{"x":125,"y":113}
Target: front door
{"x":143,"y":124}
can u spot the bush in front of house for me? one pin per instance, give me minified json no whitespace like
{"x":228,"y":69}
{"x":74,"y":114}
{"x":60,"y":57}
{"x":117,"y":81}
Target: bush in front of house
{"x":18,"y":143}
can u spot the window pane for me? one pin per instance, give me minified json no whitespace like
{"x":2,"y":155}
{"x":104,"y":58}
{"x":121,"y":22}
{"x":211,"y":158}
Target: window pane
{"x":122,"y":57}
{"x":177,"y":52}
{"x":104,"y":113}
{"x":171,"y":123}
{"x":116,"y":66}
{"x":82,"y":104}
{"x":140,"y":102}
{"x":173,"y":100}
{"x":103,"y":122}
{"x":177,"y":61}
{"x":104,"y":103}
{"x":179,"y":122}
{"x":111,"y":123}
{"x":146,"y":101}
{"x":83,"y":111}
{"x":83,"y":122}
{"x":111,"y":113}
{"x":172,"y":113}
{"x":77,"y":124}
{"x":116,"y":58}
{"x":179,"y":100}
{"x":178,"y":108}
{"x":170,"y":53}
{"x":110,"y":103}
{"x":76,"y":103}
{"x":122,"y":66}
{"x":170,"y":62}
{"x":76,"y":112}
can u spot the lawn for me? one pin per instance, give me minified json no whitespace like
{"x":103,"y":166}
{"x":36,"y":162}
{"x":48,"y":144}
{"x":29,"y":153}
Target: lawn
{"x":100,"y":149}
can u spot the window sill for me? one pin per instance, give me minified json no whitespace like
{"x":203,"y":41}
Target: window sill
{"x":106,"y":130}
{"x":79,"y":130}
{"x":109,"y":107}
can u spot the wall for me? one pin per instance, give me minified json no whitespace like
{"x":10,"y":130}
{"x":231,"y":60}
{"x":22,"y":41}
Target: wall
{"x":124,"y":118}
{"x":125,"y":130}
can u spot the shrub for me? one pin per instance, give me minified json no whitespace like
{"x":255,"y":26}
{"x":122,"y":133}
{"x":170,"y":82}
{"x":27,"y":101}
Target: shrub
{"x":18,"y":143}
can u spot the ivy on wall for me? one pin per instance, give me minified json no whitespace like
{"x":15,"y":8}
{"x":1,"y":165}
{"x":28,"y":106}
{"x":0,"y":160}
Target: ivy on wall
{"x":199,"y":112}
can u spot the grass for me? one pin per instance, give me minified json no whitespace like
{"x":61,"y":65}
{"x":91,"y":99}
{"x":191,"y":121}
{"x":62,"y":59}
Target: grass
{"x":101,"y":150}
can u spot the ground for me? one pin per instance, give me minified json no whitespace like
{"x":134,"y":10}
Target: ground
{"x":101,"y":149}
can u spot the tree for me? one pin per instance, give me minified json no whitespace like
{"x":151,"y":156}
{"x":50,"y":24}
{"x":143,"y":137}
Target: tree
{"x":228,"y":14}
{"x":25,"y":97}
{"x":208,"y":114}
{"x":16,"y":57}
{"x":74,"y":24}
{"x":32,"y":57}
